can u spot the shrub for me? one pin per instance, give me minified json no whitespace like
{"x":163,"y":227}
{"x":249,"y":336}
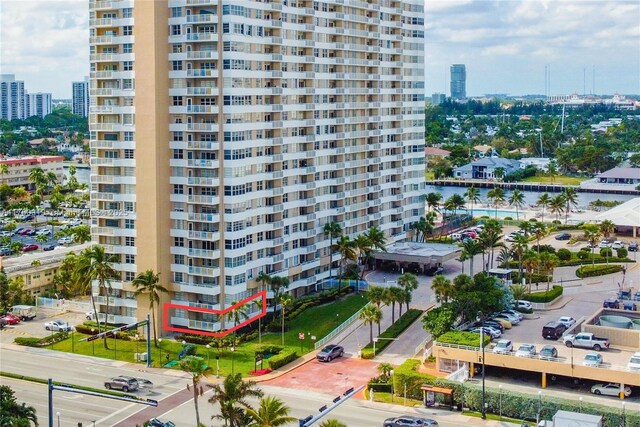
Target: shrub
{"x":28,"y":341}
{"x":564,"y":254}
{"x":470,"y":339}
{"x":530,"y":277}
{"x":42,"y":342}
{"x":556,"y":222}
{"x":86,"y":329}
{"x":582,"y":255}
{"x":508,"y":218}
{"x":597,"y":270}
{"x":546,"y":296}
{"x":269,"y":349}
{"x":544,"y":248}
{"x":622,"y":253}
{"x":282,"y":359}
{"x":391,"y":332}
{"x":606,"y":252}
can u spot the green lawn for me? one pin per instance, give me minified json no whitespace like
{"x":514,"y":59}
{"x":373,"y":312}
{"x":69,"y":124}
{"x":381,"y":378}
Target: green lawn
{"x":561,"y":179}
{"x":317,"y":321}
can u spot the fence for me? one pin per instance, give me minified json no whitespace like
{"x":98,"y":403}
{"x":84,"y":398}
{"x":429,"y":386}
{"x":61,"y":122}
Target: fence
{"x":63,"y":304}
{"x":358,"y":285}
{"x":348,"y":326}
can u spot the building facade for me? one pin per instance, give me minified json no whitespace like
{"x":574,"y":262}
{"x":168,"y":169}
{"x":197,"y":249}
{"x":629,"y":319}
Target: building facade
{"x":80,"y":97}
{"x":13,"y":103}
{"x":19,"y":169}
{"x":458,"y":81}
{"x":488,"y":168}
{"x":38,"y":104}
{"x":260,"y":123}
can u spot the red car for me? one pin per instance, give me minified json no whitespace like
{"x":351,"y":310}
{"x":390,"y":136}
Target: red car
{"x":11,"y":319}
{"x":29,"y":248}
{"x":24,"y":231}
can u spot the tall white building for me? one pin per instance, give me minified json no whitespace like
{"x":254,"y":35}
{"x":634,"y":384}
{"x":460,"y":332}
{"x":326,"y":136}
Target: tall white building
{"x":80,"y":97}
{"x":226,"y":134}
{"x":38,"y":104}
{"x":13,"y":102}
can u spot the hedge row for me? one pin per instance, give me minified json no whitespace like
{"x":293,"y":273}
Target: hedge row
{"x":469,"y":339}
{"x":597,"y":270}
{"x":392,"y":332}
{"x":42,"y":342}
{"x":531,"y":277}
{"x":282,"y":359}
{"x":545,"y":296}
{"x":513,"y":404}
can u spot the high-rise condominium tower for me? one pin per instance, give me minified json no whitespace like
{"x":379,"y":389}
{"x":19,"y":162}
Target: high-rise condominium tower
{"x":13,"y":98}
{"x":226,"y":134}
{"x":458,"y":81}
{"x":80,"y":97}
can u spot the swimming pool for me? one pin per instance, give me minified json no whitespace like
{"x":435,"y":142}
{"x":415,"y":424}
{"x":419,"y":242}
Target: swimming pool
{"x":501,"y":213}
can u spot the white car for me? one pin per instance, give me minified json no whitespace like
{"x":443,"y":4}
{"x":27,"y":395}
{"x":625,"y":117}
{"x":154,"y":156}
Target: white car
{"x":503,"y":347}
{"x":567,"y":321}
{"x":5,"y":233}
{"x":592,"y":359}
{"x":610,"y":389}
{"x":493,"y":333}
{"x":65,"y":240}
{"x":634,"y":362}
{"x":617,"y":245}
{"x":43,"y":232}
{"x":57,"y":325}
{"x":604,"y":244}
{"x":523,"y":304}
{"x":526,"y":350}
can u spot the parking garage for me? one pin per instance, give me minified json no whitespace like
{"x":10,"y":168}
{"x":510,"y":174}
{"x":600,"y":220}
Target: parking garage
{"x":415,"y":257}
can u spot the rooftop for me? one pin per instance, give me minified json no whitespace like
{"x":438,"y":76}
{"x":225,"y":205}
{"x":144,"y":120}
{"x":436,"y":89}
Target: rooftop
{"x":633,"y":173}
{"x":625,"y":214}
{"x":435,"y":151}
{"x":419,"y":252}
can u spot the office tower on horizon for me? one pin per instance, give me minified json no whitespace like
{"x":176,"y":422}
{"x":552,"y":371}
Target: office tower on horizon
{"x":80,"y":97}
{"x":225,"y":135}
{"x":458,"y":81}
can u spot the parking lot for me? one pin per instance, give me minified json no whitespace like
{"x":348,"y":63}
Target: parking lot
{"x":35,"y":327}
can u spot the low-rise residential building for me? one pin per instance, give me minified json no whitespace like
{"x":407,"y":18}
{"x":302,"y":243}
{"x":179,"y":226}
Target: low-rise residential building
{"x":435,"y":152}
{"x":486,"y":168}
{"x":541,"y":163}
{"x":21,"y":167}
{"x":625,"y":176}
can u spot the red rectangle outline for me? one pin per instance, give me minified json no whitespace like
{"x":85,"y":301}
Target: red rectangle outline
{"x":167,"y":306}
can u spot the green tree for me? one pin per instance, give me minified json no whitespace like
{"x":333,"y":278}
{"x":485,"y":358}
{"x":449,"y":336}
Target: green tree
{"x":332,"y":423}
{"x":41,"y":238}
{"x":496,"y":195}
{"x":409,"y":283}
{"x":14,"y":414}
{"x":530,"y":263}
{"x":395,"y":295}
{"x":499,"y":173}
{"x":333,"y":231}
{"x":239,"y":313}
{"x":543,"y":201}
{"x":556,"y":206}
{"x":264,"y":279}
{"x":442,"y":288}
{"x":439,"y":320}
{"x":548,"y":262}
{"x":519,"y":247}
{"x":271,"y":412}
{"x":519,"y":291}
{"x":539,"y":231}
{"x":433,"y":201}
{"x":370,"y":314}
{"x":607,"y":227}
{"x":490,"y":238}
{"x":473,"y":196}
{"x":471,"y":248}
{"x":148,"y":283}
{"x":232,"y":395}
{"x":4,"y":291}
{"x":38,"y":178}
{"x":425,"y":226}
{"x":95,"y":264}
{"x":376,"y":295}
{"x":517,"y":200}
{"x":570,"y":197}
{"x":198,"y":369}
{"x":285,"y":302}
{"x":592,"y":234}
{"x":81,"y":233}
{"x":4,"y":170}
{"x":346,"y":247}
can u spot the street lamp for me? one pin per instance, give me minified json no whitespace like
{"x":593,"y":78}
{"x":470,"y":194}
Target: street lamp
{"x":500,"y":387}
{"x":484,"y":408}
{"x":233,"y":369}
{"x":58,"y":415}
{"x":208,"y":354}
{"x":624,"y":416}
{"x":580,"y":404}
{"x":160,"y":346}
{"x":391,"y":373}
{"x":93,"y":342}
{"x":137,"y":348}
{"x":539,"y":406}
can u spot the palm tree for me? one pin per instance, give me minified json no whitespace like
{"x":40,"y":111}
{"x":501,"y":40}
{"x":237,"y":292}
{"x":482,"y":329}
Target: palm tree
{"x":332,"y":230}
{"x":395,"y":295}
{"x":539,"y":231}
{"x":570,"y":197}
{"x":52,"y":179}
{"x":409,"y":283}
{"x":517,"y":200}
{"x":271,"y":412}
{"x":94,"y":264}
{"x":285,"y":302}
{"x":148,"y":282}
{"x":548,"y":262}
{"x":38,"y":178}
{"x":433,"y":201}
{"x":543,"y":201}
{"x":592,"y":234}
{"x":519,"y":247}
{"x":530,"y":263}
{"x":425,"y":226}
{"x":332,"y":423}
{"x":278,"y":285}
{"x":370,"y":314}
{"x":496,"y":194}
{"x":13,"y":413}
{"x":442,"y":288}
{"x":473,"y":195}
{"x":455,"y":202}
{"x":556,"y":205}
{"x":607,"y":227}
{"x":376,"y":295}
{"x":552,"y":170}
{"x":81,"y":233}
{"x":471,"y":248}
{"x":504,"y":256}
{"x":518,"y":291}
{"x":4,"y":170}
{"x":232,"y":395}
{"x":346,"y":248}
{"x":364,"y":250}
{"x":197,"y":368}
{"x":239,"y":313}
{"x":264,"y":279}
{"x":377,"y":239}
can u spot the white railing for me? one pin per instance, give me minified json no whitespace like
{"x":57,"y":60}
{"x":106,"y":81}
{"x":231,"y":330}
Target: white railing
{"x":461,"y":375}
{"x":349,"y":325}
{"x":422,"y":346}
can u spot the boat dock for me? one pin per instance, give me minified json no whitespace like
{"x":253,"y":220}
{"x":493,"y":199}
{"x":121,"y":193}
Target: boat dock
{"x":527,"y":186}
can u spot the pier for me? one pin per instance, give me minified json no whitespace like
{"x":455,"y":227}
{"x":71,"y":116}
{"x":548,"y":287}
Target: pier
{"x":526,"y":186}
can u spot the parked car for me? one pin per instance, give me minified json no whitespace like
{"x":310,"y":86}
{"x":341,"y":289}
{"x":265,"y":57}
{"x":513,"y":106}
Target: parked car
{"x":617,"y":245}
{"x":65,"y":240}
{"x":610,"y":389}
{"x":567,"y":321}
{"x":519,"y":315}
{"x":30,"y":248}
{"x":624,"y":294}
{"x":636,"y":296}
{"x":3,"y":323}
{"x":5,"y":233}
{"x":57,"y":325}
{"x":548,"y":352}
{"x":523,"y":304}
{"x":553,"y":330}
{"x":611,"y":303}
{"x":27,"y":218}
{"x":592,"y":359}
{"x":90,"y":315}
{"x":513,"y":319}
{"x":503,"y":347}
{"x":526,"y":350}
{"x":154,"y":422}
{"x":492,"y":324}
{"x":43,"y":232}
{"x":11,"y":319}
{"x":629,"y":305}
{"x":506,"y":323}
{"x":330,"y":352}
{"x":24,"y":231}
{"x":432,"y":271}
{"x":563,"y":236}
{"x":121,"y":383}
{"x":493,"y":333}
{"x":634,"y":362}
{"x":604,"y":244}
{"x":409,"y":421}
{"x":633,"y":247}
{"x":49,"y":247}
{"x":5,"y":251}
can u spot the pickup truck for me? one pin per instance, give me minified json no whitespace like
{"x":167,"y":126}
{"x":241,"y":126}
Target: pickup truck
{"x":24,"y":312}
{"x":586,"y":340}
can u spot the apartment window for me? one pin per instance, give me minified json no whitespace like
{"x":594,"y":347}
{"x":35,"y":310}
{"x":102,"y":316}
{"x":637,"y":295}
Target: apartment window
{"x":176,"y":12}
{"x":128,"y":206}
{"x":178,"y":189}
{"x":177,"y":101}
{"x":127,"y":136}
{"x":128,"y":153}
{"x":127,"y":65}
{"x":178,"y":241}
{"x":175,"y":30}
{"x":127,"y":12}
{"x":129,"y":241}
{"x":127,"y":83}
{"x":127,"y":30}
{"x":178,"y":154}
{"x":129,"y":224}
{"x":176,"y":65}
{"x":178,"y":259}
{"x":129,"y":259}
{"x":178,"y":136}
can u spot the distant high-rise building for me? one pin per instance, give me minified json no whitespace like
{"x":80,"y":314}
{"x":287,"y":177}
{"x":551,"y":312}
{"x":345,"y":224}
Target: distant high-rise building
{"x":80,"y":95}
{"x":458,"y":81}
{"x":438,"y":98}
{"x":38,"y":104}
{"x":260,"y":123}
{"x":13,"y":102}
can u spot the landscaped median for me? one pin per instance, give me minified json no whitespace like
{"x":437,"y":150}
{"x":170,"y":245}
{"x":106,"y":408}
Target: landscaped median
{"x":393,"y":331}
{"x":597,"y":270}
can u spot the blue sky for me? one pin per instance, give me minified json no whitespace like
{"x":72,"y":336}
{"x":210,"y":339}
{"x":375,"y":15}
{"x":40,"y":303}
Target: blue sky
{"x":504,"y":43}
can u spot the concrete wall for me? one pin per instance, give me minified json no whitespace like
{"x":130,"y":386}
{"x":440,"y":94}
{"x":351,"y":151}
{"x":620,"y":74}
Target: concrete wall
{"x":618,"y":337}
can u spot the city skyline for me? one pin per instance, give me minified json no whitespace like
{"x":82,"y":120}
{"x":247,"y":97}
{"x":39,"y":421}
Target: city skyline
{"x":506,"y":46}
